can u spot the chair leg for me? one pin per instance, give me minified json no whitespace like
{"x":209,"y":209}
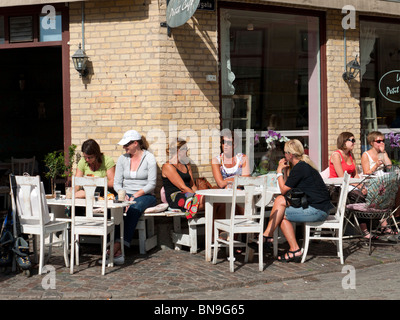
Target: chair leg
{"x":215,"y":253}
{"x":72,"y":253}
{"x":103,"y":262}
{"x":340,"y":244}
{"x":260,"y":252}
{"x":65,"y":246}
{"x":41,"y":254}
{"x":231,"y":253}
{"x":307,"y":231}
{"x":77,"y":249}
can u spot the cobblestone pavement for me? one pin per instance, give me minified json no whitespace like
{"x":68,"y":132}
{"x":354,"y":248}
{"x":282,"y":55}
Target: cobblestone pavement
{"x":166,"y":274}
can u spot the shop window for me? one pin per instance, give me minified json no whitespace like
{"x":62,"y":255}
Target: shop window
{"x":21,"y":29}
{"x":270,"y":78}
{"x":50,"y":29}
{"x":380,"y":78}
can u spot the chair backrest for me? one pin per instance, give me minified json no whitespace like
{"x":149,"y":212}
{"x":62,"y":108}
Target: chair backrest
{"x":341,"y":206}
{"x":254,"y":187}
{"x":382,"y":191}
{"x":90,"y":184}
{"x":21,"y":166}
{"x":30,"y":198}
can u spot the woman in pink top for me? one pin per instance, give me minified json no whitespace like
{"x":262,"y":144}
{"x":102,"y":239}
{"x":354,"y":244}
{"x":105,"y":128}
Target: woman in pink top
{"x":342,"y":159}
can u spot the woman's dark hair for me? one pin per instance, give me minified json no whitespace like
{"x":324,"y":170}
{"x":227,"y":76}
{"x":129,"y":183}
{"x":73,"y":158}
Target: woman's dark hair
{"x":92,"y":148}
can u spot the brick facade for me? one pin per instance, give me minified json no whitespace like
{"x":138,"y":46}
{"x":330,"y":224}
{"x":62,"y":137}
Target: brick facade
{"x":144,"y":80}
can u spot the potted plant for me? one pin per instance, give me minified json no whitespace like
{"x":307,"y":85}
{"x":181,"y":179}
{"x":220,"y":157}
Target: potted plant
{"x":58,"y":166}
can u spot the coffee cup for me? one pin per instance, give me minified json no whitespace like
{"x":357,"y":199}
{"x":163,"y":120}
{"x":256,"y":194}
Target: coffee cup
{"x":121,"y":195}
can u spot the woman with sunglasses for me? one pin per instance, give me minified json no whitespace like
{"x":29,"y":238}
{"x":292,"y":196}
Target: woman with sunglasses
{"x":178,"y":182}
{"x":376,"y":157}
{"x":227,"y":165}
{"x":94,"y":163}
{"x":136,"y":173}
{"x":343,"y":159}
{"x":372,"y":160}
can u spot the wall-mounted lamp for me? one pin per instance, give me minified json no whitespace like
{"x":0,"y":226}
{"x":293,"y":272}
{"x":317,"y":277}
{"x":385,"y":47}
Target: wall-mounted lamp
{"x":250,"y":26}
{"x":80,"y":59}
{"x":352,"y":70}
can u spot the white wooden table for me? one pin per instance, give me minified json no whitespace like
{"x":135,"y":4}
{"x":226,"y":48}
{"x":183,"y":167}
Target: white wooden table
{"x":223,"y":196}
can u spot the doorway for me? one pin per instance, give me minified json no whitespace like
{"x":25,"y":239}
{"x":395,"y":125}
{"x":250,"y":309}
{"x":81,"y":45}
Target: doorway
{"x":31,"y":103}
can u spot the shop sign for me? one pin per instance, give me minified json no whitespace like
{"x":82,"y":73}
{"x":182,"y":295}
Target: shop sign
{"x":389,"y":86}
{"x":180,"y":11}
{"x":208,"y":5}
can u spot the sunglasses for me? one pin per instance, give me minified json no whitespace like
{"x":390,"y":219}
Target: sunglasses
{"x":352,"y":140}
{"x":380,"y":141}
{"x":229,"y":143}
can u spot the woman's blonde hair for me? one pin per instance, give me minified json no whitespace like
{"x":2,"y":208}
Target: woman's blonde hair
{"x":295,"y":147}
{"x":174,"y":146}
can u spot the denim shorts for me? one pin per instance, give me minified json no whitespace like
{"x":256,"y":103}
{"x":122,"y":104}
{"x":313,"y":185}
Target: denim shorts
{"x":309,"y":214}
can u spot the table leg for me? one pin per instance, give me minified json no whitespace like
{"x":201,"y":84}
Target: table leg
{"x":117,"y":215}
{"x":208,"y":228}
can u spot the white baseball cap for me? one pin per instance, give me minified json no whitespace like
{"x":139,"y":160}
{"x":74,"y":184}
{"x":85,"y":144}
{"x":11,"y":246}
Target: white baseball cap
{"x":130,"y":135}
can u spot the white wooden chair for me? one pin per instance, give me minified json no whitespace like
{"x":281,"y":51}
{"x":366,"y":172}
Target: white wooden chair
{"x":332,"y":227}
{"x":28,"y":199}
{"x":252,"y":222}
{"x":21,"y":166}
{"x":90,"y":224}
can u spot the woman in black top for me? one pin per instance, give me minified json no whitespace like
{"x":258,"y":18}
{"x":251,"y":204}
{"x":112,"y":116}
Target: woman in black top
{"x":178,"y":180}
{"x":303,"y":175}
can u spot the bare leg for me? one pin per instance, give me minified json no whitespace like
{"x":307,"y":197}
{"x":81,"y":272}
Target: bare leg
{"x":276,"y":217}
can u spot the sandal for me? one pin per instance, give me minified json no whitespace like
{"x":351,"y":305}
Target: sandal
{"x":289,"y":258}
{"x":367,"y":235}
{"x":387,"y":231}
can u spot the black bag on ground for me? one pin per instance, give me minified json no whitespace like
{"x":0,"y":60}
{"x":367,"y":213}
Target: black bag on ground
{"x":296,"y":198}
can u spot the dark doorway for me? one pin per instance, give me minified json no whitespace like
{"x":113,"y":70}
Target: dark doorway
{"x":31,"y":103}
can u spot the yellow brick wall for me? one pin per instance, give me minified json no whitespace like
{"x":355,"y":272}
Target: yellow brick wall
{"x":343,"y":97}
{"x":142,"y":79}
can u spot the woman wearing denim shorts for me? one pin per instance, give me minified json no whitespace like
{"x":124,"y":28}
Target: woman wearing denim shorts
{"x":297,"y":170}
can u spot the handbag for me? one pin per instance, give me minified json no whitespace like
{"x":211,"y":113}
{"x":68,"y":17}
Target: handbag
{"x":202,"y":184}
{"x":296,"y":198}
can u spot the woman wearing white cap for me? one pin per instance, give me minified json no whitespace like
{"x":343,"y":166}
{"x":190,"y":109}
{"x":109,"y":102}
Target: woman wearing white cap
{"x":136,"y":173}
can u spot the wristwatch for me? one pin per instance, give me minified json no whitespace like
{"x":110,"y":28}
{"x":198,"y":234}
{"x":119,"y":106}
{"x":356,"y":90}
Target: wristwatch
{"x":280,"y":174}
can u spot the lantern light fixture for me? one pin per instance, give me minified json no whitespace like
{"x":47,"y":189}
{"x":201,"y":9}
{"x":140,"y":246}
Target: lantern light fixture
{"x":80,"y":59}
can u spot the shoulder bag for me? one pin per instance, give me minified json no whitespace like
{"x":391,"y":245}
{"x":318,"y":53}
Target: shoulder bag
{"x":296,"y":198}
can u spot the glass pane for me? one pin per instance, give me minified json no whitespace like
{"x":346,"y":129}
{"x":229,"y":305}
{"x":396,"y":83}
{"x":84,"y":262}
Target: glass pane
{"x":274,"y":59}
{"x":2,"y":39}
{"x":21,"y":29}
{"x":50,"y":29}
{"x":380,"y":76}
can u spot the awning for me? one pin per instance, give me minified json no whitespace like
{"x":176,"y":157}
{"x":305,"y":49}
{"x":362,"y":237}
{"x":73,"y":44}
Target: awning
{"x":13,"y":3}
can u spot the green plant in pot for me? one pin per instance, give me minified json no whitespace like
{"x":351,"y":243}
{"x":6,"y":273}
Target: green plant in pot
{"x":59,"y":166}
